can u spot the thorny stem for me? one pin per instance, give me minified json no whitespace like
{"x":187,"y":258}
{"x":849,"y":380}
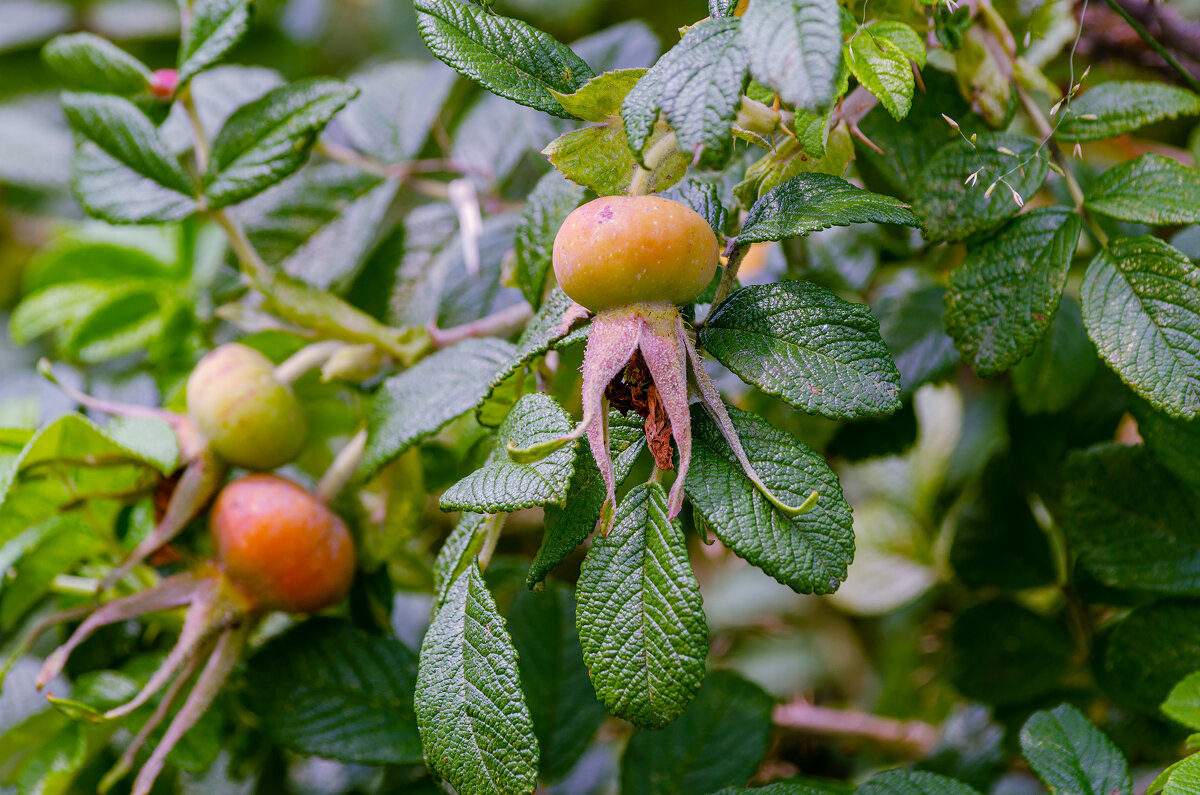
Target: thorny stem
{"x":342,"y":470}
{"x":502,"y":323}
{"x":1163,"y":52}
{"x":916,"y":737}
{"x":643,"y":178}
{"x":1047,"y":132}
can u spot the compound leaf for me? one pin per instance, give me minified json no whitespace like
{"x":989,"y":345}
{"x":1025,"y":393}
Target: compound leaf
{"x":639,"y":614}
{"x":1150,"y":189}
{"x":812,"y":201}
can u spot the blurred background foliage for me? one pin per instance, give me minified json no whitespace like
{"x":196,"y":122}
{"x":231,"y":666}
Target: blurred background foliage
{"x":955,"y":590}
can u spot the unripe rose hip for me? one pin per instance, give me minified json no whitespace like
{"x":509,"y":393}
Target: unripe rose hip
{"x":281,"y":546}
{"x":249,"y":417}
{"x":163,"y":83}
{"x":621,"y":250}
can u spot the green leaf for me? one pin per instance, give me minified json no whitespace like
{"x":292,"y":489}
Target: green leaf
{"x":1140,"y":298}
{"x":628,"y":45}
{"x":1072,"y":756}
{"x":705,"y":199}
{"x":212,"y":30}
{"x":639,"y":614}
{"x":554,"y":679}
{"x":72,"y":459}
{"x":326,"y":688}
{"x":719,"y":741}
{"x":913,"y":782}
{"x":121,"y":131}
{"x":1130,"y":523}
{"x":598,"y":158}
{"x":1183,"y":702}
{"x":1002,"y":653}
{"x":1150,"y":189}
{"x":266,"y":140}
{"x":794,"y":157}
{"x":601,"y":97}
{"x":475,"y":725}
{"x":128,"y":324}
{"x":1184,"y":777}
{"x":46,"y":550}
{"x":1142,"y":657}
{"x":459,"y":550}
{"x":396,"y":107}
{"x":954,"y":205}
{"x":882,"y":68}
{"x":1060,"y":367}
{"x":795,"y":47}
{"x":810,"y":202}
{"x":1001,"y":300}
{"x":722,"y":8}
{"x":552,"y":199}
{"x":905,"y":38}
{"x":568,"y":526}
{"x":801,"y":342}
{"x":89,"y":63}
{"x":321,"y":225}
{"x":1111,"y":109}
{"x":809,"y":553}
{"x":110,"y":190}
{"x":1173,"y":442}
{"x":505,"y":56}
{"x":61,"y":307}
{"x":504,"y":485}
{"x":423,"y":398}
{"x":698,"y":84}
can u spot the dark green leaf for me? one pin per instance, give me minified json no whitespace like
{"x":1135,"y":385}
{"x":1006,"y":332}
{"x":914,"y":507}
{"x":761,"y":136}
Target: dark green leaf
{"x":1002,"y":653}
{"x":954,"y":204}
{"x":505,"y":56}
{"x":795,"y":48}
{"x":420,"y":400}
{"x":803,"y":343}
{"x":90,"y":63}
{"x":1147,"y":652}
{"x":552,"y":199}
{"x":1150,"y":189}
{"x":1174,"y":442}
{"x":1140,"y":298}
{"x":268,"y":139}
{"x":568,"y":526}
{"x":474,"y":723}
{"x":1001,"y":300}
{"x":913,"y":782}
{"x":1130,"y":523}
{"x":698,"y":84}
{"x":722,"y":8}
{"x":502,"y":484}
{"x":1110,"y":109}
{"x":565,"y":712}
{"x":639,"y":614}
{"x":883,"y":69}
{"x":1060,"y":367}
{"x":809,"y":553}
{"x":112,"y":191}
{"x":459,"y":550}
{"x":705,"y":199}
{"x":1183,"y":703}
{"x":1072,"y":756}
{"x":329,"y":689}
{"x":793,"y":786}
{"x":212,"y":30}
{"x":810,"y":202}
{"x":719,"y":741}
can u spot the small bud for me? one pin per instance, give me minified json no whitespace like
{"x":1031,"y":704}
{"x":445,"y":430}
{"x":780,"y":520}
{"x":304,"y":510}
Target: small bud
{"x":987,"y":194}
{"x":1078,"y":151}
{"x":973,"y":178}
{"x":1016,"y":196}
{"x":163,"y":83}
{"x":950,"y":121}
{"x":1004,"y":150}
{"x":1054,"y":108}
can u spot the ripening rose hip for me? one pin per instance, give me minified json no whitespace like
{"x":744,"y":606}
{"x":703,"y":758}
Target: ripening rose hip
{"x":250,"y":418}
{"x":281,"y":546}
{"x":621,"y":250}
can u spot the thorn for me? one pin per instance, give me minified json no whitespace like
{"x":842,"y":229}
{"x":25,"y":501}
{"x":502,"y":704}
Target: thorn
{"x":917,"y":76}
{"x":857,"y":133}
